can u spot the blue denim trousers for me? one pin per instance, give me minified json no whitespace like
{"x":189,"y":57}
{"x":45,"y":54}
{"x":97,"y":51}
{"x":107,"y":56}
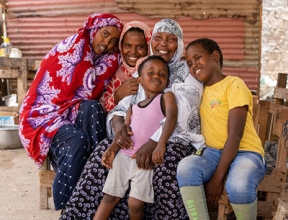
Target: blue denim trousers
{"x":245,"y":173}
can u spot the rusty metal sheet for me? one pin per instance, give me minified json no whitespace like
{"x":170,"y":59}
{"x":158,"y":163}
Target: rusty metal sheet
{"x":35,"y":26}
{"x":192,"y":8}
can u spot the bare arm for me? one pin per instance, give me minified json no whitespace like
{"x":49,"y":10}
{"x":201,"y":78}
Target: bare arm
{"x":236,"y":124}
{"x":171,"y":112}
{"x":128,"y":116}
{"x":122,"y":133}
{"x":109,"y":154}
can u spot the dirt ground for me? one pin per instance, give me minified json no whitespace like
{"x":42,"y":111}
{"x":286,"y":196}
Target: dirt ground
{"x":19,"y":191}
{"x":19,"y":188}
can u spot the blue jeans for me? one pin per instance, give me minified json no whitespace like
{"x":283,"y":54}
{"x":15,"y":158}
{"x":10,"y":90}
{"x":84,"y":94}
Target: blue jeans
{"x":245,"y":173}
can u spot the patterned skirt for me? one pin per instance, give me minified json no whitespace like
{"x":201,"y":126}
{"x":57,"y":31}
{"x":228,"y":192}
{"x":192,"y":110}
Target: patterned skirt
{"x":168,"y":203}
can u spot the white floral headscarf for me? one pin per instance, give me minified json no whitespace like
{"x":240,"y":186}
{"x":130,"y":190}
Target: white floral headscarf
{"x":170,"y":26}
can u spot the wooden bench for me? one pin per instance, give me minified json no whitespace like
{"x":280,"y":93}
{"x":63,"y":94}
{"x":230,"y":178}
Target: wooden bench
{"x":46,"y":177}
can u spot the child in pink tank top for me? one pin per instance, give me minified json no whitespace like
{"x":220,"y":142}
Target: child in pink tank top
{"x":144,"y":119}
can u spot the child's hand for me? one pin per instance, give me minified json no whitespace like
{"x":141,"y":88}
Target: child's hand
{"x":108,"y":157}
{"x":158,"y":154}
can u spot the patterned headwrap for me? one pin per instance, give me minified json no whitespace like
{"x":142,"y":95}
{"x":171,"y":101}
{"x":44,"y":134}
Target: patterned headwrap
{"x":69,"y":73}
{"x":170,"y":26}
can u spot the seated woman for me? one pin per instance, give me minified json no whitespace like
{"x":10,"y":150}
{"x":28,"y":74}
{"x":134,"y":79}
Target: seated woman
{"x":133,"y":45}
{"x":166,"y":42}
{"x":59,"y":114}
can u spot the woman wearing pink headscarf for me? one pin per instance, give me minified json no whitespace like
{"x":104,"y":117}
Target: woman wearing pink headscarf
{"x":60,"y":114}
{"x":134,"y":45}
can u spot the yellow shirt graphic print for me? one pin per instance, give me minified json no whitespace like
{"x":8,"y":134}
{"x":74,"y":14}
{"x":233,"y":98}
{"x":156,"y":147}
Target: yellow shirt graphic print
{"x":215,"y":103}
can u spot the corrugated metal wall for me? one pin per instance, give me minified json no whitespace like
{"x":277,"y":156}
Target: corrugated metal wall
{"x":35,"y":26}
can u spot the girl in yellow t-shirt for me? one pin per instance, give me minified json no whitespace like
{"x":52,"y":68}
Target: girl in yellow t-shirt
{"x":233,"y":146}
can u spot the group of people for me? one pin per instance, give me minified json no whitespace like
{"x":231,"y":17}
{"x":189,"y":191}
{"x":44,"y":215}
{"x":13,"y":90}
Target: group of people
{"x":118,"y":113}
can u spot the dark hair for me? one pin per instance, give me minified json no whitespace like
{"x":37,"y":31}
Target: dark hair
{"x":153,"y":57}
{"x":136,"y":29}
{"x":209,"y":45}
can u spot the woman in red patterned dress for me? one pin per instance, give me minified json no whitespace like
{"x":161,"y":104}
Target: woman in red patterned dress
{"x":60,"y":115}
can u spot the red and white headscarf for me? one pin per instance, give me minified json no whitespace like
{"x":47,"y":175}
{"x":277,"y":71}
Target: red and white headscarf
{"x":69,"y":73}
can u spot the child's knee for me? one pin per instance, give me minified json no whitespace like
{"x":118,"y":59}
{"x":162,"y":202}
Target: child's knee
{"x":135,"y":205}
{"x":186,"y":172}
{"x":108,"y":199}
{"x":241,"y":193}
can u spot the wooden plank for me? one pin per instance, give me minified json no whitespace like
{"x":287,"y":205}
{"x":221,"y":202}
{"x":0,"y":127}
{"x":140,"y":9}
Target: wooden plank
{"x":222,"y":212}
{"x":46,"y":177}
{"x":9,"y":73}
{"x":282,"y":211}
{"x":3,"y":4}
{"x":284,"y":192}
{"x":10,"y":62}
{"x":22,"y":84}
{"x":9,"y":109}
{"x":280,"y":93}
{"x":43,"y":198}
{"x":271,"y":183}
{"x":264,"y":209}
{"x":256,"y":111}
{"x":280,"y":128}
{"x":33,"y":64}
{"x":282,"y":80}
{"x":264,"y":120}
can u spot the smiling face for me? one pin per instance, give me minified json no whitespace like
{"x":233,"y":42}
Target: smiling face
{"x":133,"y":47}
{"x":106,"y":38}
{"x":202,"y":65}
{"x":154,"y":76}
{"x":164,"y":45}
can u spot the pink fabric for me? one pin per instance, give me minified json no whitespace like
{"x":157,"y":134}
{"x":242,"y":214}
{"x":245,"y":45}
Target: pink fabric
{"x":124,"y":72}
{"x":144,"y":122}
{"x":69,"y":73}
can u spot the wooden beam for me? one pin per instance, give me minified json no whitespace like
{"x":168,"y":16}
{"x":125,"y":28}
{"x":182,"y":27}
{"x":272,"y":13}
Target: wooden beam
{"x":3,"y":4}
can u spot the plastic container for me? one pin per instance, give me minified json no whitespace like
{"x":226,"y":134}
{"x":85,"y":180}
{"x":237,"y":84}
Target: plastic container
{"x":15,"y":53}
{"x":6,"y":47}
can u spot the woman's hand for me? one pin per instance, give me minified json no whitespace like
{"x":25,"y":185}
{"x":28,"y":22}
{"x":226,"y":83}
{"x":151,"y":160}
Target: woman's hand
{"x":144,"y":155}
{"x":122,"y":133}
{"x":128,"y":87}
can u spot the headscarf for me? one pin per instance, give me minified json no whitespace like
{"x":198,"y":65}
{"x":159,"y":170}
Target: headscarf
{"x":170,"y":26}
{"x":187,"y":90}
{"x":69,"y":73}
{"x":178,"y":69}
{"x":124,"y":71}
